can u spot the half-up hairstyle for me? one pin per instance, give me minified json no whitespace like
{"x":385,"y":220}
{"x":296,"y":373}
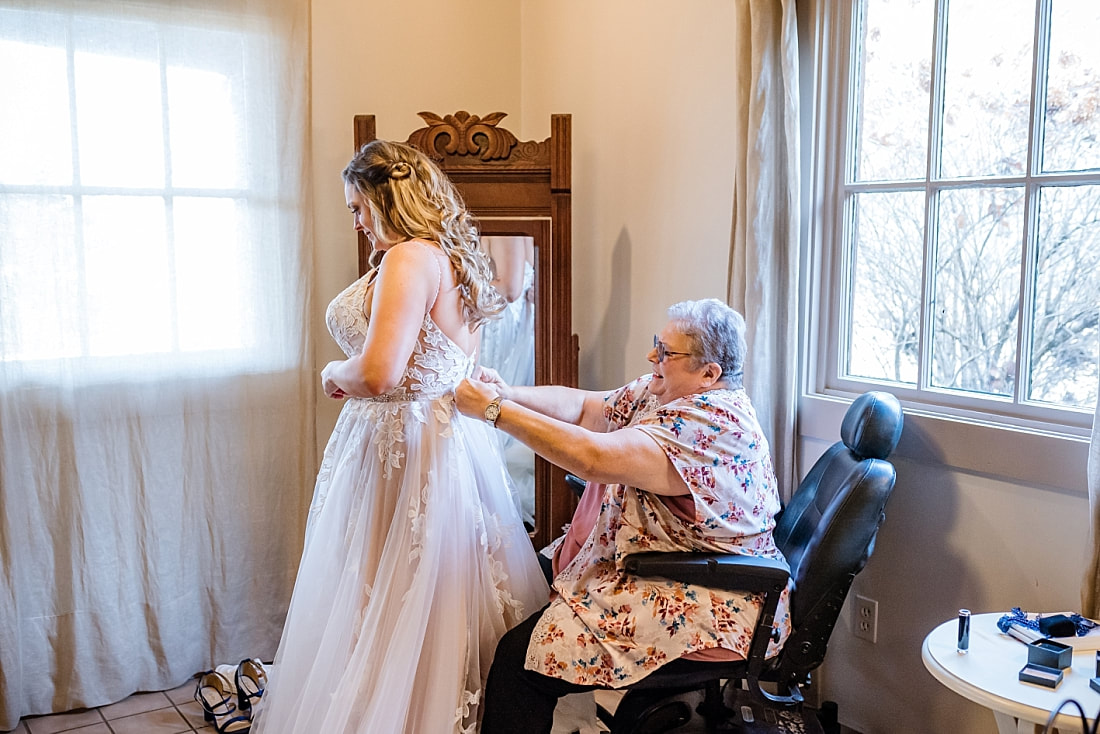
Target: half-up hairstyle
{"x":411,"y":198}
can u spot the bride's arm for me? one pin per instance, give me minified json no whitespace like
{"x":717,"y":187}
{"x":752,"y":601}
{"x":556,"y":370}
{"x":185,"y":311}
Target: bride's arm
{"x":407,"y":282}
{"x":507,"y":255}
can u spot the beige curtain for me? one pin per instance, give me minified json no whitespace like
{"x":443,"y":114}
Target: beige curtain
{"x":156,"y":390}
{"x":1090,"y":589}
{"x":764,"y":252}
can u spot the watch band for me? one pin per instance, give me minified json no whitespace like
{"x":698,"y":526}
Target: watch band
{"x":492,"y":410}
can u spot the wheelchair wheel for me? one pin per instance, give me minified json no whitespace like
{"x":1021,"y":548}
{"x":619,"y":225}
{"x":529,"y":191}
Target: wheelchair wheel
{"x":653,"y":712}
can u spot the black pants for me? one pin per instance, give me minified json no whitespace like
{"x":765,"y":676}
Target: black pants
{"x":517,"y":699}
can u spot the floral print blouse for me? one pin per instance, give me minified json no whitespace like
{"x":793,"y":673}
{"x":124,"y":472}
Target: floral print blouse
{"x":608,"y":628}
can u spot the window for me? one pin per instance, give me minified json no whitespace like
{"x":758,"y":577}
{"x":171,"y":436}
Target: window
{"x":132,"y":210}
{"x":962,"y":252}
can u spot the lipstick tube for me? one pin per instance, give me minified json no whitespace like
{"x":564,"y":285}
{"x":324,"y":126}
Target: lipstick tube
{"x":963,"y":644}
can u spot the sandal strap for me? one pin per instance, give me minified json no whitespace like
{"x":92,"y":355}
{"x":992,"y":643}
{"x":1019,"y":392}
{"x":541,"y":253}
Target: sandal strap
{"x":219,"y":684}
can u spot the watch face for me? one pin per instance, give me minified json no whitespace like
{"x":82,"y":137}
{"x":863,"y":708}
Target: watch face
{"x":492,"y":411}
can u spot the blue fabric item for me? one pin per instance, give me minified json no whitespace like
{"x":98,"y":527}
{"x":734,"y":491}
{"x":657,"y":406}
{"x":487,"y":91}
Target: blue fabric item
{"x":1081,"y":625}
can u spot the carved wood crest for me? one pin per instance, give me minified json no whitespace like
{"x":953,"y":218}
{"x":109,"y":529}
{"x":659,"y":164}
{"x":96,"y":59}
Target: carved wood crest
{"x":465,"y":141}
{"x":464,"y":134}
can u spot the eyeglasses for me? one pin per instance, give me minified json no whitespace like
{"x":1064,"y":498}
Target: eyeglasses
{"x":662,"y":352}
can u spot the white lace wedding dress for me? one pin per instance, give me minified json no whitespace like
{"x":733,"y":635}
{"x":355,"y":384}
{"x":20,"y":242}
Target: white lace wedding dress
{"x":415,"y":559}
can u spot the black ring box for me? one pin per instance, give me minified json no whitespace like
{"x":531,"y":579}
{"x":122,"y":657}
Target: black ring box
{"x":1046,"y":659}
{"x":1049,"y":654}
{"x":1041,"y":675}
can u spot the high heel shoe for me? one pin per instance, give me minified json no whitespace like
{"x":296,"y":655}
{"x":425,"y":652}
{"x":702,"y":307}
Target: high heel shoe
{"x":215,"y":694}
{"x":251,"y":680}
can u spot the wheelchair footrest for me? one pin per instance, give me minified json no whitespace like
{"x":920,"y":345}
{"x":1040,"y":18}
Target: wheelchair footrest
{"x":751,"y":715}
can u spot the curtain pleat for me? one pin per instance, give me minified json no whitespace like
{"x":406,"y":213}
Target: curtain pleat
{"x":763,"y":277}
{"x":156,"y":387}
{"x":1090,"y":588}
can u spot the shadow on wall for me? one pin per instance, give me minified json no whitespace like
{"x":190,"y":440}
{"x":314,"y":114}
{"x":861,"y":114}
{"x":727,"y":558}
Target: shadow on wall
{"x":607,"y":353}
{"x":919,"y":582}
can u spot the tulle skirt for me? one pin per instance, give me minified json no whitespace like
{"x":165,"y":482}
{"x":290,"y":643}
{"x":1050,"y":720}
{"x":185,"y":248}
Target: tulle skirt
{"x":415,"y":564}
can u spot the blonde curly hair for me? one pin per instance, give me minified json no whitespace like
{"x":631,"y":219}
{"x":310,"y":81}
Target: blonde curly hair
{"x":411,"y":198}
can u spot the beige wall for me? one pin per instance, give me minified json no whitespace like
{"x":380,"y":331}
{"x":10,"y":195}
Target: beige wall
{"x":648,"y":84}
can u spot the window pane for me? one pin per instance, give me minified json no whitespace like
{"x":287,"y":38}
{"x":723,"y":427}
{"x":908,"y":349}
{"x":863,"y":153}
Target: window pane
{"x":213,"y":274}
{"x":977,"y":289}
{"x":35,"y":145}
{"x":1072,"y":133}
{"x":205,"y":93}
{"x":1065,"y":346}
{"x":129,"y":293}
{"x":886,"y":285}
{"x":987,"y":88}
{"x":119,"y":100}
{"x":39,"y":284}
{"x":895,"y":80}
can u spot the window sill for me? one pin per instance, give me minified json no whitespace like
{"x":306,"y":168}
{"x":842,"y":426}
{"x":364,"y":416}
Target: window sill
{"x":1026,"y":456}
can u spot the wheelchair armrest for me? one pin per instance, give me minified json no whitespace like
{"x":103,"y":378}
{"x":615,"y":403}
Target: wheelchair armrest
{"x":726,"y":571}
{"x":575,"y":484}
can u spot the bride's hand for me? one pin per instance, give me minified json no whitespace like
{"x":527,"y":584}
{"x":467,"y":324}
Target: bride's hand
{"x":331,"y":389}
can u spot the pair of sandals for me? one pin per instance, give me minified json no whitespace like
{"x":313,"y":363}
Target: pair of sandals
{"x":227,"y":704}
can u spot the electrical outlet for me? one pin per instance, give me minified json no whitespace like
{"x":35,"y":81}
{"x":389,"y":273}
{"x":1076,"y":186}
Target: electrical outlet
{"x":865,"y":623}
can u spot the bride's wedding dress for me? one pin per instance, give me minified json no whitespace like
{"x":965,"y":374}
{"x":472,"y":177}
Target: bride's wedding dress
{"x":415,"y":560}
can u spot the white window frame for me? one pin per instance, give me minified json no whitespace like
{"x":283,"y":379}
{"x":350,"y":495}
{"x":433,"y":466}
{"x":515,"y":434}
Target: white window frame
{"x":1028,"y":444}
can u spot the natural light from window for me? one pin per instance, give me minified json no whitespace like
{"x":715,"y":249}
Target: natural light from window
{"x":124,"y":200}
{"x":971,"y":246}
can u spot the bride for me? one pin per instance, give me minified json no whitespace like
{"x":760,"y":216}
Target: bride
{"x":415,"y":560}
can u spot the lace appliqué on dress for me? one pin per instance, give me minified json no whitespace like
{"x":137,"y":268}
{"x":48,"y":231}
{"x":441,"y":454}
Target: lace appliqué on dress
{"x":416,"y":523}
{"x":492,"y":540}
{"x":346,"y":315}
{"x":437,"y":364}
{"x":391,"y":432}
{"x":469,"y":699}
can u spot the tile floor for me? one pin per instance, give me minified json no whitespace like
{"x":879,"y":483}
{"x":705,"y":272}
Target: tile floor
{"x":168,"y":712}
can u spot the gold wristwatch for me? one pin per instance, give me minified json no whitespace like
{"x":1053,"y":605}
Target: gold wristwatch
{"x":492,"y":411}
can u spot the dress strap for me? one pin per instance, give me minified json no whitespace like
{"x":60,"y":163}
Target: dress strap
{"x":439,"y":272}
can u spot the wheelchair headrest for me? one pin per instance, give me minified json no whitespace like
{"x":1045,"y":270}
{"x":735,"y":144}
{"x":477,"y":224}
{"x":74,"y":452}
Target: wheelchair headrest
{"x":872,"y":425}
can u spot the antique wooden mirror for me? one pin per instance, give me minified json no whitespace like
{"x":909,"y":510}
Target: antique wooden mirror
{"x":520,"y":192}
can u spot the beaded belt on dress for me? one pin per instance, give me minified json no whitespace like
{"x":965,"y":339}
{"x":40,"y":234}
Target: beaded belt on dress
{"x":404,"y":396}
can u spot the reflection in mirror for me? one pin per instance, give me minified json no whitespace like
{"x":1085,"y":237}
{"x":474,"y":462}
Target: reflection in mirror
{"x":508,"y":346}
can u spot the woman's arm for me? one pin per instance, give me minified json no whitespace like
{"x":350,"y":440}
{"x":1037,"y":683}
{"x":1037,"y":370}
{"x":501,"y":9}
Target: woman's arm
{"x":568,"y":404}
{"x":407,"y":282}
{"x":626,"y":456}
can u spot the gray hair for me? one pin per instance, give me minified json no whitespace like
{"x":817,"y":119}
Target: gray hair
{"x":716,"y":333}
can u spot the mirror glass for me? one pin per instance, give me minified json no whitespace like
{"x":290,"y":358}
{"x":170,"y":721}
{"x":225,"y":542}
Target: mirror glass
{"x":508,"y":346}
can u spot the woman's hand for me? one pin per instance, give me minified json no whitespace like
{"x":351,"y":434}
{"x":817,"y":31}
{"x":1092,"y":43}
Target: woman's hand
{"x":492,"y":377}
{"x":471,"y":397}
{"x":331,"y":389}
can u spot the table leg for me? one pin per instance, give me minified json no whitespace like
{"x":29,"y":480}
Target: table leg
{"x":1008,"y":724}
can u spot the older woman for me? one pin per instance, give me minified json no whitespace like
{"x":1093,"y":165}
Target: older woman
{"x":676,"y":461}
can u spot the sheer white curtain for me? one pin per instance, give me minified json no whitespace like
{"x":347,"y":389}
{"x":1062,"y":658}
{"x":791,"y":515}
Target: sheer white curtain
{"x":764,"y":250}
{"x":156,"y":391}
